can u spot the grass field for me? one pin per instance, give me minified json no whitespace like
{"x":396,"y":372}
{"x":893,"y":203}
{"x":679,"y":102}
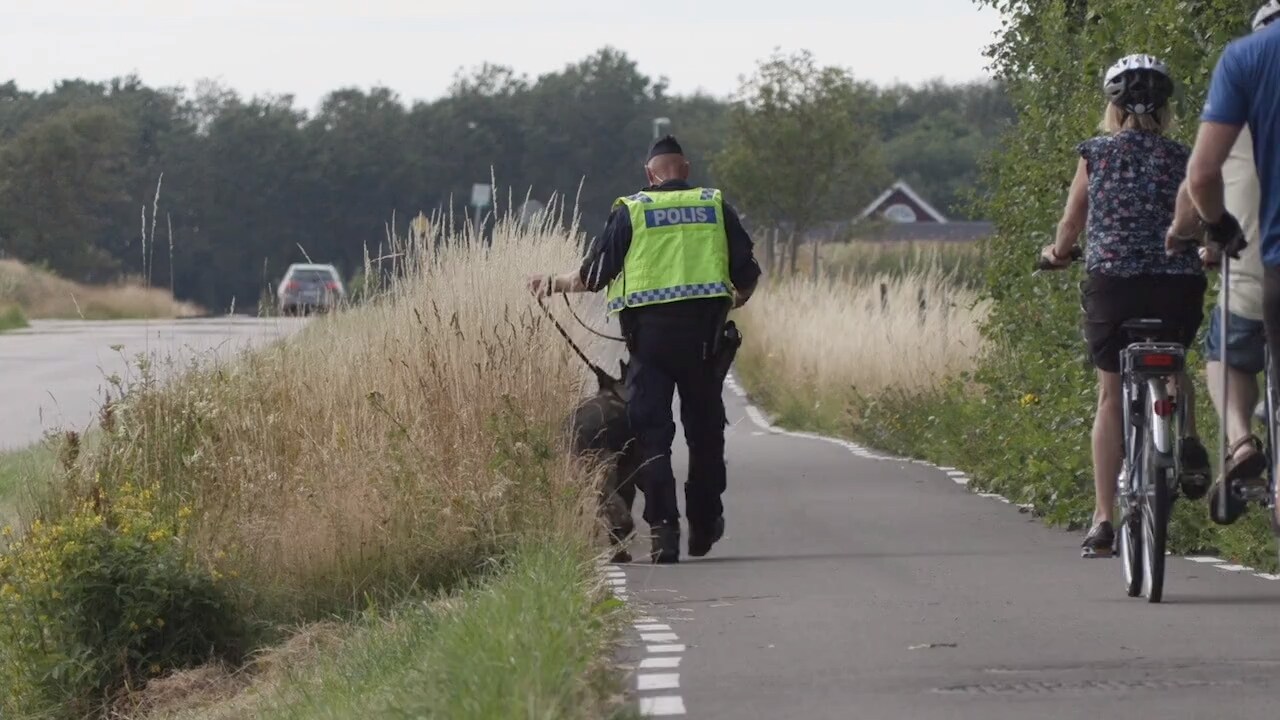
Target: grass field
{"x":17,"y":469}
{"x":12,"y":318}
{"x":28,"y":292}
{"x":385,"y":457}
{"x":814,"y":348}
{"x":960,"y":263}
{"x":525,"y":643}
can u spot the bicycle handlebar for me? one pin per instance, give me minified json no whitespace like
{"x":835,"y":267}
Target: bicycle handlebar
{"x":1075,"y":255}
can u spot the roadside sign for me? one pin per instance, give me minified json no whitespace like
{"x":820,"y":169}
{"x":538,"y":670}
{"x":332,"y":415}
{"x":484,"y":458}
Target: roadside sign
{"x":480,"y":195}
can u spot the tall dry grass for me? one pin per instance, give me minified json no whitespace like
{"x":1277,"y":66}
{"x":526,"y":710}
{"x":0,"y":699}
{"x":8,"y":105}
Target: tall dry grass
{"x":395,"y":445}
{"x":809,"y":342}
{"x":43,"y":295}
{"x":963,"y":262}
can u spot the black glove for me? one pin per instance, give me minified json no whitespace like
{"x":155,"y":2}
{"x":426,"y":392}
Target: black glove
{"x":1226,"y":235}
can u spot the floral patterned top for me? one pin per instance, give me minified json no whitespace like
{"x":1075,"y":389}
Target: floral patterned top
{"x":1133,"y":182}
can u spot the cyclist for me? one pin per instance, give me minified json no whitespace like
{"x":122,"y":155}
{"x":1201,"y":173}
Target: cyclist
{"x":1243,"y":91}
{"x":1246,"y":341}
{"x":1123,"y":195}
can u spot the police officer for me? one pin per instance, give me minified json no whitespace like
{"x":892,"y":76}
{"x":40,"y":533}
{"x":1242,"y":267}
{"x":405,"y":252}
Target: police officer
{"x":674,"y":259}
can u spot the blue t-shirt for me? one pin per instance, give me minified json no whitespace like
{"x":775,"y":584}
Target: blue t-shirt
{"x":1245,"y":89}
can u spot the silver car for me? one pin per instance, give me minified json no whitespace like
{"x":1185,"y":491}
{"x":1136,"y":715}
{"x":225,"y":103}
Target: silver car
{"x":306,"y":287}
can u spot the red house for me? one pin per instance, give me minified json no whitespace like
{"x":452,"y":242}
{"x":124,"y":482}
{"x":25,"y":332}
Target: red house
{"x":901,"y":204}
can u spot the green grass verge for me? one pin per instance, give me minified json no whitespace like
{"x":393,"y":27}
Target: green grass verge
{"x":530,"y":640}
{"x":15,"y":467}
{"x":12,"y":318}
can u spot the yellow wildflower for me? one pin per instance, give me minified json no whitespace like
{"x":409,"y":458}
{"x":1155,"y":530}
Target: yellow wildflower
{"x":1030,"y":399}
{"x":184,"y":513}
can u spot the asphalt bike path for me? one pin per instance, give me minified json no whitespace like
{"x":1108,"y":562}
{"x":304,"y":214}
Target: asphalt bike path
{"x":851,"y":585}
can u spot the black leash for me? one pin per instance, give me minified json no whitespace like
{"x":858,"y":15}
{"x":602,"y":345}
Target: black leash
{"x":602,"y":377}
{"x":590,"y":329}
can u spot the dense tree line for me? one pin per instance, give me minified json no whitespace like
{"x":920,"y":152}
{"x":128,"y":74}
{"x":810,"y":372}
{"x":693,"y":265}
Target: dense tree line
{"x":248,"y":185}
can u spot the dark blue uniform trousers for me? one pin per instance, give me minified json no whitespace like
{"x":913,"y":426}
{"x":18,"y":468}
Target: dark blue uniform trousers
{"x":666,"y":357}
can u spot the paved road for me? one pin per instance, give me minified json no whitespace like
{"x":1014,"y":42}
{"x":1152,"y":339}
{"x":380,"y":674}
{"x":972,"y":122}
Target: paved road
{"x":849,"y":587}
{"x":53,"y":375}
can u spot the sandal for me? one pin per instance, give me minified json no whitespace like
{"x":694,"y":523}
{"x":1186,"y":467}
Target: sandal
{"x":1245,"y":468}
{"x":1251,"y":465}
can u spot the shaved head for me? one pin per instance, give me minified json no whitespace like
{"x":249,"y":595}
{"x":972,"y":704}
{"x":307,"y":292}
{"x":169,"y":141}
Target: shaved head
{"x":668,"y":166}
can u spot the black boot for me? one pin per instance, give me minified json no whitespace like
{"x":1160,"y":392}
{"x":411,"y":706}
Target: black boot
{"x":702,"y":538}
{"x":665,"y":540}
{"x":619,"y":537}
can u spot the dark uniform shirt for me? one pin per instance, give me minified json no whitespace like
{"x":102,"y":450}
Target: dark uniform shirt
{"x":604,"y":260}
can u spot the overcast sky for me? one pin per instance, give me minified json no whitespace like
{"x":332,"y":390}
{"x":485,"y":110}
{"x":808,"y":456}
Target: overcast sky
{"x":310,"y":47}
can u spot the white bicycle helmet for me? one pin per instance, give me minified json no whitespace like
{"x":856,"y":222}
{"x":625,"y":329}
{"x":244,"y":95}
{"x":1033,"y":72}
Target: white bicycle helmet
{"x":1266,"y":14}
{"x":1139,"y":83}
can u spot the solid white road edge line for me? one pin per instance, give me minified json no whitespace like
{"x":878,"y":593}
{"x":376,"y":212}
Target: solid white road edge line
{"x":758,"y":417}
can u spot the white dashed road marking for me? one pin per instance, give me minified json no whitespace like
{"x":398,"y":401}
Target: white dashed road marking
{"x":665,"y":653}
{"x":657,"y":681}
{"x":662,"y":705}
{"x":664,"y":648}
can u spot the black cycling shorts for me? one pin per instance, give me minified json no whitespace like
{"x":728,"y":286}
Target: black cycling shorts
{"x":1109,"y":301}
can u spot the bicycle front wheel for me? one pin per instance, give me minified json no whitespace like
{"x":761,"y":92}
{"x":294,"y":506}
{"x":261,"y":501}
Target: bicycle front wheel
{"x":1129,"y":543}
{"x":1155,"y":534}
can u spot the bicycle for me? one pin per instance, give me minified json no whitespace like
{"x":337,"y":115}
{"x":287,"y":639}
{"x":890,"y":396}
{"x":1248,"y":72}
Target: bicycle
{"x":1271,"y":391}
{"x":1151,"y":471}
{"x":1263,"y":494}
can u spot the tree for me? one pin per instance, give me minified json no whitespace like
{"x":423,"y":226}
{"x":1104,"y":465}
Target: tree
{"x":588,"y":126}
{"x":252,"y":184}
{"x":58,"y":178}
{"x":802,"y":146}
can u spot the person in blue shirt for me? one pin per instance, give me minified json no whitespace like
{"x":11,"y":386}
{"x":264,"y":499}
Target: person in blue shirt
{"x":1244,"y":91}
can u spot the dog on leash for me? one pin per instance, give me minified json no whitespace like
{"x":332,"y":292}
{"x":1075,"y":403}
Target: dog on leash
{"x":601,"y":432}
